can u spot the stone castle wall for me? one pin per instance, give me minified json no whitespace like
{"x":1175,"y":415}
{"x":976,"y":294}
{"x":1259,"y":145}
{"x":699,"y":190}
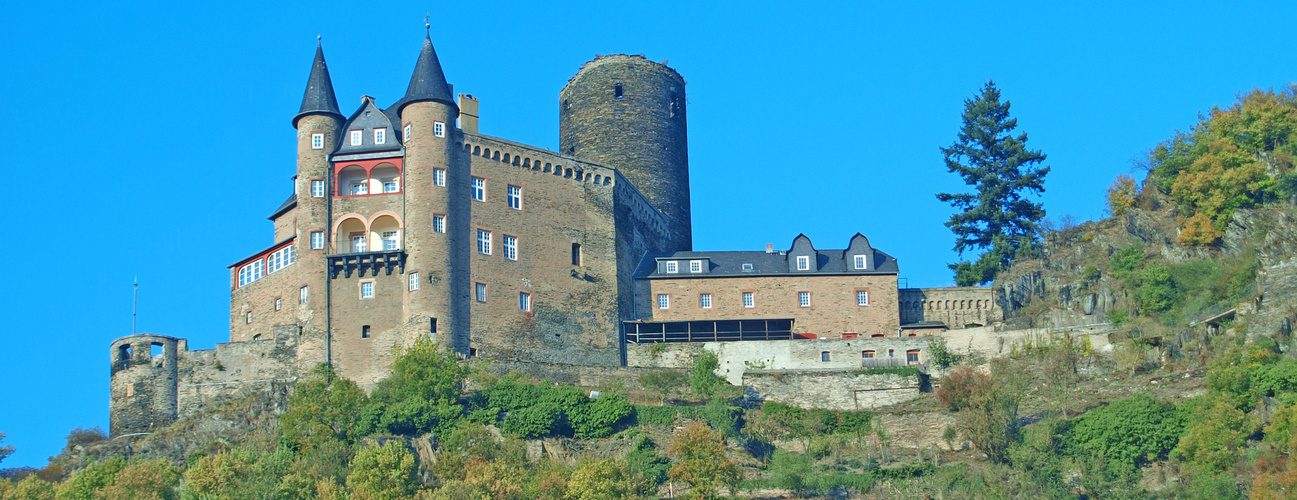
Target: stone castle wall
{"x":736,"y":358}
{"x":956,"y":307}
{"x":830,"y":389}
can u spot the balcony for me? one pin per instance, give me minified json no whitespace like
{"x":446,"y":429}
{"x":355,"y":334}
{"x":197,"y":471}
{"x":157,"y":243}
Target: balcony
{"x":366,"y":262}
{"x":708,"y":331}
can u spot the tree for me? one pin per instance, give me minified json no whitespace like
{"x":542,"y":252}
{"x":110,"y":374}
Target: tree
{"x":5,"y":450}
{"x":700,"y":462}
{"x":382,"y":472}
{"x":322,"y":408}
{"x":990,"y":418}
{"x":997,"y":218}
{"x":607,"y":479}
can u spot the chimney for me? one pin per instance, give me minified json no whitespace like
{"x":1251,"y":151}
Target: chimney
{"x":468,"y":113}
{"x":770,"y":248}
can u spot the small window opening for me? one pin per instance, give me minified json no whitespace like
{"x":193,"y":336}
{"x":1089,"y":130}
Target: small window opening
{"x":891,"y":353}
{"x":616,"y":91}
{"x":124,"y":352}
{"x":432,"y":326}
{"x":576,"y":254}
{"x":364,"y":332}
{"x":824,"y":356}
{"x":155,"y":350}
{"x":256,"y":337}
{"x":867,"y":354}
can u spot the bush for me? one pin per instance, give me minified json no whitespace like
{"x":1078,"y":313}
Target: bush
{"x":324,"y":407}
{"x":644,"y":458}
{"x":904,"y":371}
{"x":540,"y":420}
{"x":386,"y":471}
{"x":1126,"y":434}
{"x":664,"y":382}
{"x":958,"y":386}
{"x":598,"y":417}
{"x":702,"y":374}
{"x":82,"y":436}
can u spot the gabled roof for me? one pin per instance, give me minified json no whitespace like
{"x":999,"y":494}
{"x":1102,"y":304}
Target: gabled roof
{"x":319,"y":97}
{"x":288,"y":205}
{"x":772,"y":263}
{"x":366,"y":119}
{"x":428,"y":83}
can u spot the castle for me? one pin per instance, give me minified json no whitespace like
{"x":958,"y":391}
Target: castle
{"x":405,"y":222}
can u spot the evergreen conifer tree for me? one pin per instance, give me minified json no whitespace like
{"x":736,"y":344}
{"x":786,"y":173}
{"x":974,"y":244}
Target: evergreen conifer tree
{"x":997,"y":217}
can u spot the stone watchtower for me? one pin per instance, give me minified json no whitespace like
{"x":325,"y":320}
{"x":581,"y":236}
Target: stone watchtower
{"x":628,"y":112}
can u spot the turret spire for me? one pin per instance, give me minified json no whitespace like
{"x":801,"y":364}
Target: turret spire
{"x":319,"y":98}
{"x":428,"y":82}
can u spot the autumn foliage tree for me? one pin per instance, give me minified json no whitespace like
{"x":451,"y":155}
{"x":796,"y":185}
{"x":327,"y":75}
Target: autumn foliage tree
{"x":699,"y":453}
{"x":997,"y":218}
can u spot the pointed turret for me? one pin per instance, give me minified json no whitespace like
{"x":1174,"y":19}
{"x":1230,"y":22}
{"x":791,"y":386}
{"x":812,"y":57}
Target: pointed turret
{"x":319,"y":98}
{"x":428,"y":82}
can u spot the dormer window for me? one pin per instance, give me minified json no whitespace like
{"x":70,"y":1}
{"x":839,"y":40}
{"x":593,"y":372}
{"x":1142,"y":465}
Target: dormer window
{"x":356,"y":137}
{"x":671,"y":266}
{"x":803,"y":263}
{"x":860,"y":262}
{"x":695,"y":266}
{"x":380,"y":135}
{"x":747,"y":267}
{"x":317,"y":141}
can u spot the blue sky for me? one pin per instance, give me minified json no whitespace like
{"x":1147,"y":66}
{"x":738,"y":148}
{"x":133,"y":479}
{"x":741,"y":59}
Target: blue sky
{"x":153,"y":140}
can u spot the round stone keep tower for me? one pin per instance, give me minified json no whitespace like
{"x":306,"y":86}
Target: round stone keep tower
{"x":629,"y":113}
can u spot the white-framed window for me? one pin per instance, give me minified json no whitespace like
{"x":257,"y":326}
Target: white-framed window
{"x":380,"y":136}
{"x":247,"y":319}
{"x":364,"y":331}
{"x":664,"y":301}
{"x":479,"y":292}
{"x":356,"y":136}
{"x":439,"y":177}
{"x":672,"y":266}
{"x":524,"y":301}
{"x":439,"y":129}
{"x":282,"y":258}
{"x":515,"y":197}
{"x":358,"y":243}
{"x":439,"y":223}
{"x":705,"y":300}
{"x":860,"y":262}
{"x":695,"y":266}
{"x":251,"y":271}
{"x":361,"y":187}
{"x":747,"y":267}
{"x":749,"y":300}
{"x":389,"y":240}
{"x":804,"y":299}
{"x":317,"y":240}
{"x":803,"y":263}
{"x":862,"y":298}
{"x":479,"y":189}
{"x":317,"y":141}
{"x":317,"y":189}
{"x":279,"y":303}
{"x":367,"y":290}
{"x":414,"y":281}
{"x":510,"y":247}
{"x":389,"y":185}
{"x":483,"y":242}
{"x":406,"y":135}
{"x":303,"y":294}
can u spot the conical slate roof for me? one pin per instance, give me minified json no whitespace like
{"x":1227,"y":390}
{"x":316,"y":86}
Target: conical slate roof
{"x":428,"y":82}
{"x":319,"y":98}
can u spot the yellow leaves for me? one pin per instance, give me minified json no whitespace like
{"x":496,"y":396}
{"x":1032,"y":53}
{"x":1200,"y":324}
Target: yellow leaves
{"x":1122,"y":194}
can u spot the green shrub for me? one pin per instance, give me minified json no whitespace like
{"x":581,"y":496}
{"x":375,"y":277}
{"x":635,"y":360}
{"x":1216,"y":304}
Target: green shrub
{"x":702,"y":374}
{"x":645,"y":459}
{"x":1126,"y":434}
{"x":540,"y":420}
{"x":596,"y":418}
{"x":904,"y":371}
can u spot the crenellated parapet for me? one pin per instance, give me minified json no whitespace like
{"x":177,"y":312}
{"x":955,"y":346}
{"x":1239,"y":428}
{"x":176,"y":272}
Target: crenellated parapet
{"x":951,"y":307}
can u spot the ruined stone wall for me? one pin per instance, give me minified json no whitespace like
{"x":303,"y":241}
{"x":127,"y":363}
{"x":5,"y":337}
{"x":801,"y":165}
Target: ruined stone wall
{"x":738,"y":357}
{"x":830,"y":389}
{"x":956,"y":307}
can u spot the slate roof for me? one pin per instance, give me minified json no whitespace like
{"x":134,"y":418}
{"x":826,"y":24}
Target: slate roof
{"x":319,"y":97}
{"x":288,"y":205}
{"x":730,"y":264}
{"x":366,"y":119}
{"x":428,"y":83}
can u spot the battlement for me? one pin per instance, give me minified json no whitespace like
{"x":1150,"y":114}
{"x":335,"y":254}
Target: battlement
{"x":953,"y":307}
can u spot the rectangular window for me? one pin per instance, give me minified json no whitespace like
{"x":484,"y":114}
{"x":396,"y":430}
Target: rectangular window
{"x":406,"y":135}
{"x":356,"y":137}
{"x":804,"y":299}
{"x":749,"y":300}
{"x":515,"y":197}
{"x":439,"y":129}
{"x":364,"y":331}
{"x":705,"y":300}
{"x":317,"y":189}
{"x":867,"y":354}
{"x":672,"y":266}
{"x":389,"y":240}
{"x":252,"y":272}
{"x":479,"y":189}
{"x":247,"y":320}
{"x":439,"y":223}
{"x":439,"y":177}
{"x":912,"y":357}
{"x":380,"y":135}
{"x":862,"y":298}
{"x":695,"y":266}
{"x":358,"y":243}
{"x":414,"y":281}
{"x":279,"y":303}
{"x":483,"y":242}
{"x":317,"y":240}
{"x":303,"y":294}
{"x":389,"y":185}
{"x":664,"y":301}
{"x":576,"y":254}
{"x":358,"y":188}
{"x":824,"y":356}
{"x":803,"y":263}
{"x":317,"y":141}
{"x":860,"y":262}
{"x":524,"y":301}
{"x":510,"y":247}
{"x":479,"y":292}
{"x":367,"y":290}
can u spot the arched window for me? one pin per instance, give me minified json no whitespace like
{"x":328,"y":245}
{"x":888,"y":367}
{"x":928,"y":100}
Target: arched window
{"x":352,"y":236}
{"x":353,"y":180}
{"x":385,"y":233}
{"x":385,"y":178}
{"x":477,"y":150}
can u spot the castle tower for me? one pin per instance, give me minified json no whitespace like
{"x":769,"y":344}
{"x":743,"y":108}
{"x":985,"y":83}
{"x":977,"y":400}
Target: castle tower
{"x":318,"y":123}
{"x":143,"y":394}
{"x":628,"y":112}
{"x":437,"y":207}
